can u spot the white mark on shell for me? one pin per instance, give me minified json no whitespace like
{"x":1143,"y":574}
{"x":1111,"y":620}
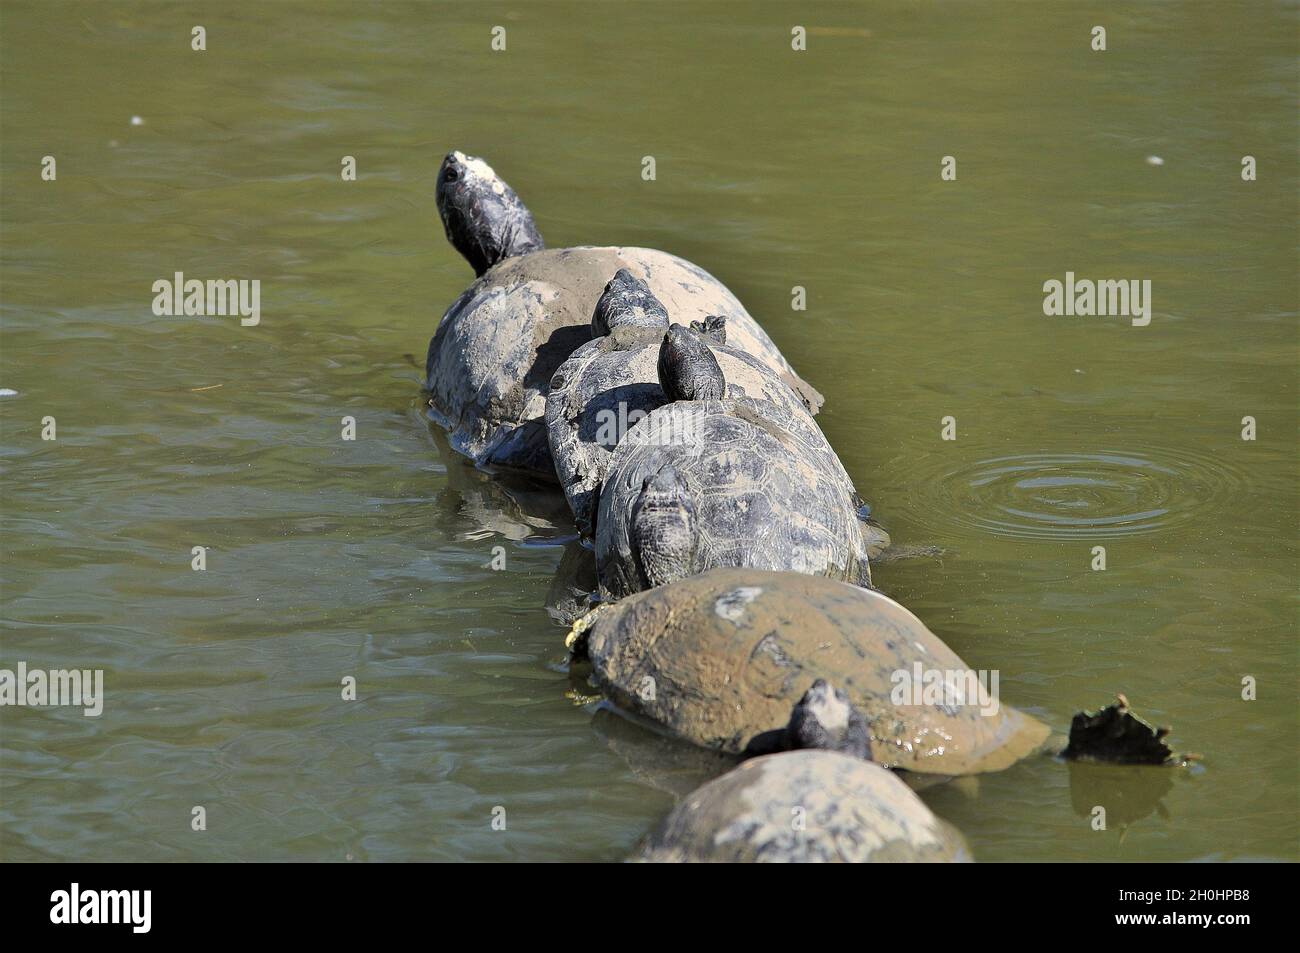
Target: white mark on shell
{"x":731,"y":605}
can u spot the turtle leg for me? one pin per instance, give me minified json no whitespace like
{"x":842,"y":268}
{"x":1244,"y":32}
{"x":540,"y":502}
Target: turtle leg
{"x":875,"y":538}
{"x":892,"y":554}
{"x":525,"y":447}
{"x":881,"y":548}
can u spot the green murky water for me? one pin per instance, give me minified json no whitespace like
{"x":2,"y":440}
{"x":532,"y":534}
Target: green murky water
{"x":820,"y":169}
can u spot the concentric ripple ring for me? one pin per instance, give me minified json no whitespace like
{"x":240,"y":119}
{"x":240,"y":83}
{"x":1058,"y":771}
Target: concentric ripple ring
{"x":1077,"y":495}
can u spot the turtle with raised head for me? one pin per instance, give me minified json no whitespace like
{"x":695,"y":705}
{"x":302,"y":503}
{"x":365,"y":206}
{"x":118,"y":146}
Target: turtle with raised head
{"x":492,"y":358}
{"x":613,"y":381}
{"x":719,"y":659}
{"x":699,"y":484}
{"x":810,"y":806}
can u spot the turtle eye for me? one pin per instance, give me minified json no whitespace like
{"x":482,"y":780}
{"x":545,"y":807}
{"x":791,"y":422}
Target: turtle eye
{"x":450,"y":175}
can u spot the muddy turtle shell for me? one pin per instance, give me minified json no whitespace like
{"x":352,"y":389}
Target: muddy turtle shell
{"x":721,"y":657}
{"x":492,"y":358}
{"x":608,"y":384}
{"x":763,"y":497}
{"x":852,"y":811}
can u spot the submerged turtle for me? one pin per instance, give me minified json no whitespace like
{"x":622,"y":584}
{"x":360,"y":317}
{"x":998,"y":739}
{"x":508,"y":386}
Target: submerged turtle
{"x":719,"y":659}
{"x":699,"y":484}
{"x":801,"y":807}
{"x":499,"y":343}
{"x":613,"y":381}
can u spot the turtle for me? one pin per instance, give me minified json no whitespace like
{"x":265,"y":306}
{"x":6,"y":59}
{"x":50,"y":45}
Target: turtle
{"x":698,"y":484}
{"x":719,"y":658}
{"x":628,"y":303}
{"x":499,"y":343}
{"x":610,"y":383}
{"x":809,"y":806}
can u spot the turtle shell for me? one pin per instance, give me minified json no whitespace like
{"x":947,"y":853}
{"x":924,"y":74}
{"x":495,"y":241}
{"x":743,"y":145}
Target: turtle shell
{"x":719,"y":658}
{"x":494,"y":353}
{"x":610,"y":383}
{"x":763,"y":497}
{"x":804,"y":807}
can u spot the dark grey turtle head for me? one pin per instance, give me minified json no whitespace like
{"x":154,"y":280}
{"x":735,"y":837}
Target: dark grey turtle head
{"x":713,"y":329}
{"x":687,"y":368}
{"x":663,"y":528}
{"x":825,"y":718}
{"x":484,"y":219}
{"x":627,"y":302}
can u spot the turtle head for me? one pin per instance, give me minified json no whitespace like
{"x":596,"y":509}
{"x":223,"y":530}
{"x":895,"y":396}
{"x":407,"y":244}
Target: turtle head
{"x":484,"y":219}
{"x":713,"y":329}
{"x":825,"y":718}
{"x":627,"y":301}
{"x":663,"y":528}
{"x":687,"y":368}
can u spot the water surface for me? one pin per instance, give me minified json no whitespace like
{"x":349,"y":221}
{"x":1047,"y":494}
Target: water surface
{"x":371,"y":558}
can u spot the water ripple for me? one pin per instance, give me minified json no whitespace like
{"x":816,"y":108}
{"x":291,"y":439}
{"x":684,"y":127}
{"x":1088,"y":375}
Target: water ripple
{"x":1077,"y":495}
